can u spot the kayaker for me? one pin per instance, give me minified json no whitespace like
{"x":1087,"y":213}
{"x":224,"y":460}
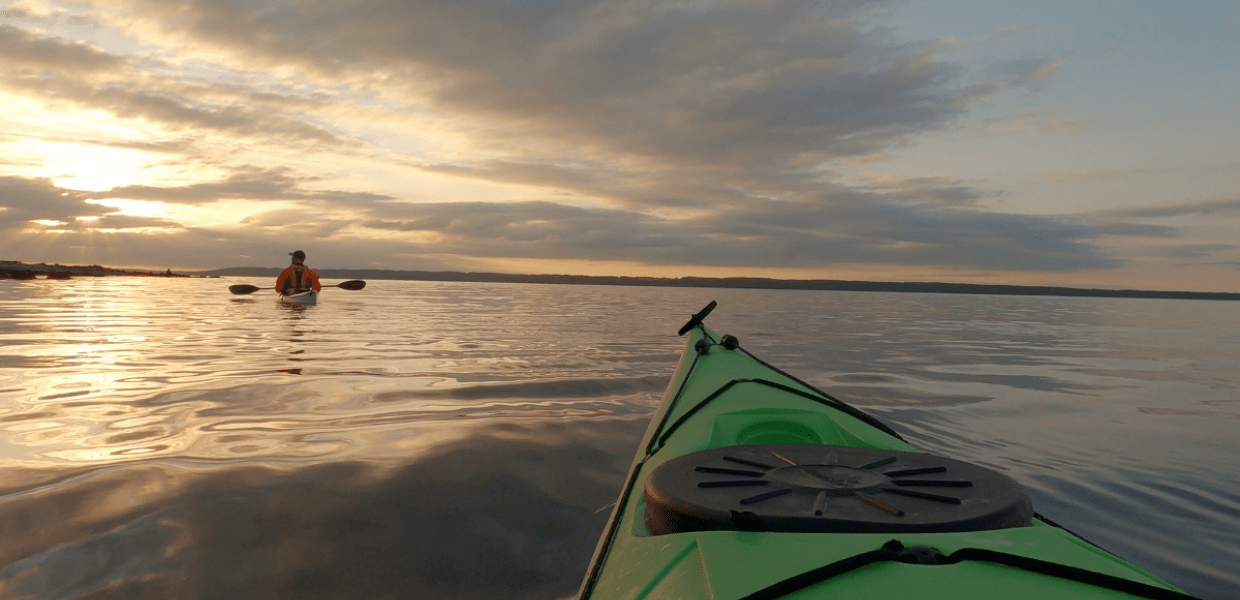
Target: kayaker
{"x":297,"y":277}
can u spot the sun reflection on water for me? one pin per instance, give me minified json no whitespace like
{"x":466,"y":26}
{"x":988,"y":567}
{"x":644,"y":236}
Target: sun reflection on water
{"x":143,"y":417}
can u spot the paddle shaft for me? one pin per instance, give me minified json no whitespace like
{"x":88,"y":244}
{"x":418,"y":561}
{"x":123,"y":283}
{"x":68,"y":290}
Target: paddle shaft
{"x":245,"y":288}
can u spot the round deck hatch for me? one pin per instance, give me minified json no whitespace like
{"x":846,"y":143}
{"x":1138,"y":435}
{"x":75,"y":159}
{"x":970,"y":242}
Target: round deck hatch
{"x":838,"y":489}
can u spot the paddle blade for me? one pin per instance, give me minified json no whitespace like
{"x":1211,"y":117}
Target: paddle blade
{"x":355,"y":284}
{"x":242,"y":288}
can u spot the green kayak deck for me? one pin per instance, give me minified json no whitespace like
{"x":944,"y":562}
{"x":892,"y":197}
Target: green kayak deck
{"x":752,"y":484}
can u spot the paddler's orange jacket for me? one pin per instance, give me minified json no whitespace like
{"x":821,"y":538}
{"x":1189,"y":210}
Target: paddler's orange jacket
{"x":297,"y":277}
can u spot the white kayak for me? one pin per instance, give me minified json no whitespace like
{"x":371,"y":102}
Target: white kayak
{"x":303,"y":298}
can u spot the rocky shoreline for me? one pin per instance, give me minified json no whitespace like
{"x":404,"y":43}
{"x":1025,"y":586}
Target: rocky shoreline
{"x":10,"y":269}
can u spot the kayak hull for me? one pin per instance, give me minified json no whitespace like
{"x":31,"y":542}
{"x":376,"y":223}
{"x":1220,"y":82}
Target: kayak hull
{"x":724,"y":404}
{"x":307,"y":298}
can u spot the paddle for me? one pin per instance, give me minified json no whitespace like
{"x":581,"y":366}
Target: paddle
{"x":245,"y":288}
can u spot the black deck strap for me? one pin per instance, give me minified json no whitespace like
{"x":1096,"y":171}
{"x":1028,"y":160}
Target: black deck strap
{"x":622,"y":503}
{"x":1042,"y":567}
{"x":889,"y":552}
{"x":831,"y":400}
{"x":820,"y":398}
{"x":894,"y":551}
{"x":659,"y":440}
{"x":671,"y":404}
{"x":815,"y":394}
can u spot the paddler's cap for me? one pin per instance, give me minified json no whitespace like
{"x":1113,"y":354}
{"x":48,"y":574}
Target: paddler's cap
{"x":298,"y":254}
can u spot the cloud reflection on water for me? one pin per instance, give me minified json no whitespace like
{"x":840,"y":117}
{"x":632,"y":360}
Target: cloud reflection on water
{"x":513,"y":511}
{"x":458,"y":440}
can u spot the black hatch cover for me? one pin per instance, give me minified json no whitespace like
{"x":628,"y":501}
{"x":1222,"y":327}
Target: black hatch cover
{"x":829,"y":489}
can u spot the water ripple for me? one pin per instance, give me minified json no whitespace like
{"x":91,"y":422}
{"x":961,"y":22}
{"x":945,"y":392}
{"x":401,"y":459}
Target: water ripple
{"x":163,"y":438}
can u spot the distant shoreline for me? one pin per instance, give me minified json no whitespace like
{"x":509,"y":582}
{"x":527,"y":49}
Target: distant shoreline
{"x":10,"y":269}
{"x":735,"y":282}
{"x":18,"y":270}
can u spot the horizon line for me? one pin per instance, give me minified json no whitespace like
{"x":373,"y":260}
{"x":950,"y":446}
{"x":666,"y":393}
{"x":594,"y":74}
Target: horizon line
{"x":738,"y":283}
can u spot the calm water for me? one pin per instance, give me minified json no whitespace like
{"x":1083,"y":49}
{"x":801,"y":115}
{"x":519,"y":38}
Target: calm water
{"x":162,"y":438}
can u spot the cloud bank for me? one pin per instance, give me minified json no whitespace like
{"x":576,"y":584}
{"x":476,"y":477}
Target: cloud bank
{"x":657,"y":133}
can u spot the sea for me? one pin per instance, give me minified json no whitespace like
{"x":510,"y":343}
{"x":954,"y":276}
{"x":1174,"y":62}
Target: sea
{"x":164,"y":438}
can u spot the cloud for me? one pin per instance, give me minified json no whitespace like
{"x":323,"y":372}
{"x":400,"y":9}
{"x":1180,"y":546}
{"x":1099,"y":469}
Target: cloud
{"x":860,"y":229}
{"x":895,"y":224}
{"x":920,"y":222}
{"x":929,"y":190}
{"x":245,"y":183}
{"x":28,"y":53}
{"x":23,"y":200}
{"x":659,"y":133}
{"x":116,"y":222}
{"x":148,"y":100}
{"x":728,"y":82}
{"x":1035,"y":123}
{"x":1119,"y":228}
{"x":1031,"y":72}
{"x":1205,"y":207}
{"x":1002,"y":34}
{"x":889,"y":231}
{"x":181,"y":113}
{"x":1224,"y":169}
{"x":1061,"y":127}
{"x":334,"y":528}
{"x":1189,"y":251}
{"x":1102,"y":174}
{"x":84,"y":76}
{"x":1082,"y":176}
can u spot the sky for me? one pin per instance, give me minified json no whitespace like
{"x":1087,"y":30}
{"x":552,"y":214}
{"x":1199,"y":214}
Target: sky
{"x":1047,"y":143}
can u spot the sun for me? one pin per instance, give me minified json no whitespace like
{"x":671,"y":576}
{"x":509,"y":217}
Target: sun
{"x":93,"y":168}
{"x":82,"y":150}
{"x":133,"y":208}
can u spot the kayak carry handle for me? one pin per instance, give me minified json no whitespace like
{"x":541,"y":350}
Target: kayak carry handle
{"x":696,"y":320}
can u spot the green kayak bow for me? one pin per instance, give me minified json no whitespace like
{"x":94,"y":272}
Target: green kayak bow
{"x":751,"y":484}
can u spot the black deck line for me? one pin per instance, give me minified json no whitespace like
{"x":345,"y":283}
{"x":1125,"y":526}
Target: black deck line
{"x":833,"y":401}
{"x":587,"y":589}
